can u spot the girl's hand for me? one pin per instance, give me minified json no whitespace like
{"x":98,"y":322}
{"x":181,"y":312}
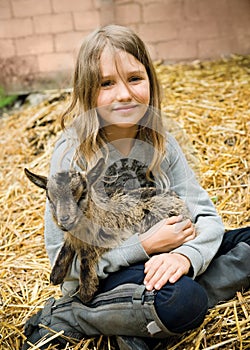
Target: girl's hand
{"x":163,"y":268}
{"x":167,"y":235}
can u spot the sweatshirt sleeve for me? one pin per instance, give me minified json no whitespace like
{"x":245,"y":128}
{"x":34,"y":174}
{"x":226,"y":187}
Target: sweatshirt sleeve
{"x":128,"y":253}
{"x":209,"y":226}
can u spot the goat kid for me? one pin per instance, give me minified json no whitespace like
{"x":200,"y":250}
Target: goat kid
{"x":94,"y":223}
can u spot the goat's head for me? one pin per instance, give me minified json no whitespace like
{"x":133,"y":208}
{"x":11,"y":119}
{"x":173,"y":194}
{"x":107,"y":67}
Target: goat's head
{"x":68,"y":193}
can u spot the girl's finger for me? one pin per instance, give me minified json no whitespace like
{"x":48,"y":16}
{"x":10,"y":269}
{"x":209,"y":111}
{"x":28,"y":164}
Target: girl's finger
{"x":158,"y":278}
{"x":189,"y":238}
{"x":177,"y":275}
{"x":189,"y":231}
{"x":173,"y":220}
{"x":182,"y":225}
{"x":152,"y":264}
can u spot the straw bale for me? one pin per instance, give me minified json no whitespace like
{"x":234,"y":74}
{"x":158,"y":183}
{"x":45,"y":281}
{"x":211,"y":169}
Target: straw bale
{"x":207,"y":107}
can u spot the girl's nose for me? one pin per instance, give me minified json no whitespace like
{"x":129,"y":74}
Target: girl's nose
{"x":123,"y":92}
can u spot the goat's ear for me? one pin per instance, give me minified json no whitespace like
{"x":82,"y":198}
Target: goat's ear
{"x":39,"y":180}
{"x":96,"y":171}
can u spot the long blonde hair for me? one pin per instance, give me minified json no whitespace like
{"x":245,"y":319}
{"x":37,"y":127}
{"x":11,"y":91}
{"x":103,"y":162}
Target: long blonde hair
{"x":86,"y":87}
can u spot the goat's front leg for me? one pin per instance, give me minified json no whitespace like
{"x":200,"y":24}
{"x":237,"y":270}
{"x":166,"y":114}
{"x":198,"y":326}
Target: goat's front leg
{"x":63,"y":261}
{"x":89,"y":281}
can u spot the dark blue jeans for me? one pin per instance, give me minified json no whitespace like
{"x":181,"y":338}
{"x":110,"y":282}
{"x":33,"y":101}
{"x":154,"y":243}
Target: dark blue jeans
{"x":232,"y":238}
{"x":183,"y":305}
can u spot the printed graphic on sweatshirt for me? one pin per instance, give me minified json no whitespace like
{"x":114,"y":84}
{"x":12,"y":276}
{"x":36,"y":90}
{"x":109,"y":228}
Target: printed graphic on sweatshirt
{"x":125,"y":175}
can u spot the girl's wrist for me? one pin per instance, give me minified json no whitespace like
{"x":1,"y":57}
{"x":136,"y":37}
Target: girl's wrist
{"x":146,"y":243}
{"x":149,"y":238}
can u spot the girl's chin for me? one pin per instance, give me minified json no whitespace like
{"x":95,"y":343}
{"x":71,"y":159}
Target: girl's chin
{"x":122,"y":125}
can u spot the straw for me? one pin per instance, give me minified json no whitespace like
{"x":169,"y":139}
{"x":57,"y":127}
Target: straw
{"x":207,"y":107}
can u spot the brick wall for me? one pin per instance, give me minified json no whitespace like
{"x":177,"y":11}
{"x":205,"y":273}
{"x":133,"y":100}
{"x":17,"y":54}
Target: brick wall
{"x":39,"y":39}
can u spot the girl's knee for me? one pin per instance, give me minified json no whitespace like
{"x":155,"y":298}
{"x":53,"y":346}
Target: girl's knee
{"x":131,"y":274}
{"x":182,"y":306}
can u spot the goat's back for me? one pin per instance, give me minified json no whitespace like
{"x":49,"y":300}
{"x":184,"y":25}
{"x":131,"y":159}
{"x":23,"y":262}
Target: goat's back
{"x":134,"y":211}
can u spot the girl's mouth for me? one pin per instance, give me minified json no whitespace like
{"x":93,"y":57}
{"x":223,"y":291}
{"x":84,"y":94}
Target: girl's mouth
{"x":124,"y":107}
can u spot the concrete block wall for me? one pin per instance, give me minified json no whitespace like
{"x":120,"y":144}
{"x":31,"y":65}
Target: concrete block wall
{"x":39,"y":39}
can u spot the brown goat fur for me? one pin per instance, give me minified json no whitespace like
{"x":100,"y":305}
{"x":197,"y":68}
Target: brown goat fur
{"x":94,"y":223}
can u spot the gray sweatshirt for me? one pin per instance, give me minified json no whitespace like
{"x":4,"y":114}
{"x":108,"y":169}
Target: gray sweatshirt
{"x":180,"y":178}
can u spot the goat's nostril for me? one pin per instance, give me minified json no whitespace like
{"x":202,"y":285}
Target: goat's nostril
{"x":64,"y":218}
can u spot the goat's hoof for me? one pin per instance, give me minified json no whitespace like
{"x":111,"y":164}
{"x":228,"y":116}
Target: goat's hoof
{"x":85,"y":295}
{"x":55,"y":278}
{"x":85,"y":298}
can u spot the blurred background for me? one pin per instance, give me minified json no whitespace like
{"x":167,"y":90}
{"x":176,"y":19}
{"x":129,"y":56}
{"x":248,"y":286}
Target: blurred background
{"x":39,"y":39}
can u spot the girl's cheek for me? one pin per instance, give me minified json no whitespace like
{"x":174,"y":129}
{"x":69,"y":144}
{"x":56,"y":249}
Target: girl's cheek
{"x":102,"y":98}
{"x":143,"y":95}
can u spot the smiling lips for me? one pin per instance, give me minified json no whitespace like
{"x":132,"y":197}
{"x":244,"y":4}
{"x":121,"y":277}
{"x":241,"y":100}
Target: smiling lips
{"x":124,"y":107}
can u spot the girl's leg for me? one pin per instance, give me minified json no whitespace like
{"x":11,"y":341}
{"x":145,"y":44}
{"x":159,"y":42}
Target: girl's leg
{"x":232,"y":238}
{"x":180,"y":306}
{"x":229,"y":272}
{"x":124,"y":307}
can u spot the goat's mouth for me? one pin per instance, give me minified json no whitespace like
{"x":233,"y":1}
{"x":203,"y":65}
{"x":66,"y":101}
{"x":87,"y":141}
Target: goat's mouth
{"x":66,"y":226}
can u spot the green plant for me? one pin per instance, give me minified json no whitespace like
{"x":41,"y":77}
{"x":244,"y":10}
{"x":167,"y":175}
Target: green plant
{"x":6,"y":100}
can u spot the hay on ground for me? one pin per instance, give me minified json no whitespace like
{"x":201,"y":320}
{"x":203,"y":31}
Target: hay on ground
{"x":210,"y":103}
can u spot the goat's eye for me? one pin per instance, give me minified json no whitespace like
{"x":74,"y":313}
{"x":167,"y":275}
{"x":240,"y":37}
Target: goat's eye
{"x":52,"y":205}
{"x":75,"y":175}
{"x":82,"y":197}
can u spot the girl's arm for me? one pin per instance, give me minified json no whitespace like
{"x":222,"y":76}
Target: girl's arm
{"x":209,"y":227}
{"x":193,"y":255}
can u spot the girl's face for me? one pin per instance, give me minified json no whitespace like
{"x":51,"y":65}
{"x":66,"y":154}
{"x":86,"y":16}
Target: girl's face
{"x":124,"y":92}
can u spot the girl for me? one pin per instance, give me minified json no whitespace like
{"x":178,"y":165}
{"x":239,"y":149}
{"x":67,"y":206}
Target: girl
{"x":158,"y":283}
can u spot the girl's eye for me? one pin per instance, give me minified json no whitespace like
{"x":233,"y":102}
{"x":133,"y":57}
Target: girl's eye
{"x":135,"y":79}
{"x":106,"y":83}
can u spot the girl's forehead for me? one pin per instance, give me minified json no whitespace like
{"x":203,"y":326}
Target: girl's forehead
{"x":112,"y":61}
